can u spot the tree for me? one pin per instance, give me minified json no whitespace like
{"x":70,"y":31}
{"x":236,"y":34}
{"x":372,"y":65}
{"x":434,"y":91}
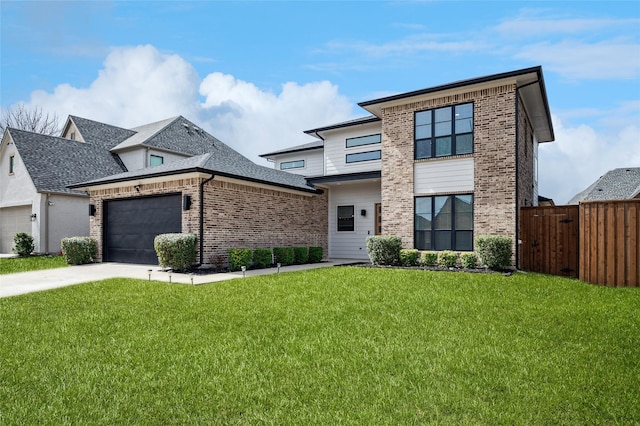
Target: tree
{"x":30,"y":119}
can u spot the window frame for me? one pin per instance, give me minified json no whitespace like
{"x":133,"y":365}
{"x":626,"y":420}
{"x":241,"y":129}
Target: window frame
{"x":361,"y":138}
{"x":353,"y":218}
{"x":454,"y":244}
{"x":433,"y":137}
{"x":152,"y":156}
{"x":292,"y":162}
{"x":12,"y":164}
{"x":346,"y":158}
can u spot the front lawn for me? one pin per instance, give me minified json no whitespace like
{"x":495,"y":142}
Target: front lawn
{"x":328,"y":346}
{"x":30,"y":263}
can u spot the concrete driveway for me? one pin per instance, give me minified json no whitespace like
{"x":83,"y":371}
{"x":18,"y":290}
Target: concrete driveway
{"x":29,"y":282}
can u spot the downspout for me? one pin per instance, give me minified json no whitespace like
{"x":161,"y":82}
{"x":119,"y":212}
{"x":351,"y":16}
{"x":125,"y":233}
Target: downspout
{"x":201,"y":236}
{"x":46,"y":225}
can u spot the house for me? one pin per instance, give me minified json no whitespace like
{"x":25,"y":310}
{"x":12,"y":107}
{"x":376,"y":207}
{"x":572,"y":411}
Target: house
{"x":616,"y":184}
{"x":436,"y":166}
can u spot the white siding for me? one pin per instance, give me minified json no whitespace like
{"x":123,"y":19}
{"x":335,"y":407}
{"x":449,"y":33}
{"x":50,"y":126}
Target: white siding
{"x":335,"y":150}
{"x":444,"y":176}
{"x":363,"y":196}
{"x":313,"y":162}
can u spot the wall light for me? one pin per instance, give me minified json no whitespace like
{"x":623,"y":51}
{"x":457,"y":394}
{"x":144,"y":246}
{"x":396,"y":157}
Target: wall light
{"x":92,"y":209}
{"x":363,"y":212}
{"x":33,"y":217}
{"x":137,"y":187}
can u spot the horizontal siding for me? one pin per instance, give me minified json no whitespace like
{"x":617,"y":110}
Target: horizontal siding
{"x":335,"y":150}
{"x":363,"y":196}
{"x":444,"y":176}
{"x":313,"y":162}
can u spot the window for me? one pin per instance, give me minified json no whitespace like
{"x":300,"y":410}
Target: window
{"x":156,"y":160}
{"x":292,"y":165}
{"x":363,"y":140}
{"x":363,"y":156}
{"x":346,"y":221}
{"x":444,"y":131}
{"x":72,"y":136}
{"x":444,"y":222}
{"x":12,"y":164}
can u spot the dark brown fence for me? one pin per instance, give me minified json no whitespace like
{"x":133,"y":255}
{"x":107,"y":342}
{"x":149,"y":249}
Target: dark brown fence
{"x":610,"y":243}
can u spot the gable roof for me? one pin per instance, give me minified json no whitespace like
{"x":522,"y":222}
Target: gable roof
{"x":54,"y":163}
{"x":101,"y":134}
{"x":616,"y":184}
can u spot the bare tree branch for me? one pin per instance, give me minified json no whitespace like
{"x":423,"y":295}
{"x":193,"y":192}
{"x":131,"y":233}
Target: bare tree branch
{"x":30,"y":119}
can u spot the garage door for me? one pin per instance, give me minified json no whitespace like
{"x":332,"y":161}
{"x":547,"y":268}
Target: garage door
{"x":132,"y":224}
{"x":12,"y":221}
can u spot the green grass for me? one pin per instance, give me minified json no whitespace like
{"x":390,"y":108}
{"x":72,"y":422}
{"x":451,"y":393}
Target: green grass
{"x":329,"y":346}
{"x":30,"y":263}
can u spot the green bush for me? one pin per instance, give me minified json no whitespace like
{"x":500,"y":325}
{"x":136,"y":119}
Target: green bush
{"x":468,"y":260}
{"x":79,"y":250}
{"x":300,"y":255}
{"x":176,"y":251}
{"x":384,"y":249}
{"x":261,"y":258}
{"x":283,"y":255}
{"x":409,"y":257}
{"x":238,"y":258}
{"x":494,"y":251}
{"x":23,"y":244}
{"x":315,"y":254}
{"x":428,"y":258}
{"x":447,"y":258}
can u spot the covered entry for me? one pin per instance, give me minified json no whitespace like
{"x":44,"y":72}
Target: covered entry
{"x":130,"y":226}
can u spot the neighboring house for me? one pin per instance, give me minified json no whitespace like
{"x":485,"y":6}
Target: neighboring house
{"x":436,"y":167}
{"x":616,"y":184}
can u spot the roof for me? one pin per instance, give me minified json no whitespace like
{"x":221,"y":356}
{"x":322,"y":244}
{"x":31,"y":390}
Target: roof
{"x":54,"y":163}
{"x":616,"y":184}
{"x":349,"y":123}
{"x":298,"y":148}
{"x":102,"y":134}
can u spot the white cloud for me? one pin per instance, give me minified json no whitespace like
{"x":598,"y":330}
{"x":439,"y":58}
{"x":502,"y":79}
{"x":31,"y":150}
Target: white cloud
{"x":528,"y":26}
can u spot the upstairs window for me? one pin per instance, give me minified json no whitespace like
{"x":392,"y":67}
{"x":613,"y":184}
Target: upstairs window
{"x":363,"y":156}
{"x":442,"y":132}
{"x":156,"y":160}
{"x":285,"y":165}
{"x":364,"y":140}
{"x":12,"y":164}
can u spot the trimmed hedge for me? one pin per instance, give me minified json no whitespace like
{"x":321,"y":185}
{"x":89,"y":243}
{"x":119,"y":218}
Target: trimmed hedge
{"x":384,"y":249}
{"x":23,"y":244}
{"x":300,"y":255}
{"x":238,"y":258}
{"x":79,"y":250}
{"x":283,"y":255}
{"x":176,"y":251}
{"x":409,"y":257}
{"x":262,"y":258}
{"x":494,"y":251}
{"x":468,"y":260}
{"x":315,"y":254}
{"x":447,"y":259}
{"x":428,"y":258}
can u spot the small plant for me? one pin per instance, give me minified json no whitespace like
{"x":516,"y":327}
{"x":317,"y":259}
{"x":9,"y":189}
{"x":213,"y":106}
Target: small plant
{"x":300,"y":255}
{"x":262,"y":258}
{"x":428,"y":258}
{"x":283,"y":255}
{"x":468,"y":260}
{"x":315,"y":254}
{"x":176,"y":251}
{"x":494,"y":251}
{"x":79,"y":250}
{"x":384,"y":250}
{"x":409,"y":257}
{"x":23,"y":244}
{"x":238,"y":258}
{"x":447,"y":259}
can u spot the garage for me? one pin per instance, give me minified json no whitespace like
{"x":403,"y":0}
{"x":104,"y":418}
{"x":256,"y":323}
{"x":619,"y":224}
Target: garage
{"x":132,"y":224}
{"x":12,"y":221}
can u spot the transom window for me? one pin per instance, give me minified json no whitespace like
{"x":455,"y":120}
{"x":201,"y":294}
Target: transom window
{"x":444,"y":222}
{"x":364,"y":140}
{"x":363,"y":156}
{"x":444,"y":131}
{"x":346,"y":220}
{"x":156,"y":160}
{"x":298,"y":164}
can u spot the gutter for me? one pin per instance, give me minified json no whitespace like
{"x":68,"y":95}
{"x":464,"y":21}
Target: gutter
{"x":201,"y":236}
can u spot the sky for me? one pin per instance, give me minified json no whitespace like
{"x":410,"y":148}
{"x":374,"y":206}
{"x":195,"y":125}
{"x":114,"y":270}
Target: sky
{"x":257,"y":74}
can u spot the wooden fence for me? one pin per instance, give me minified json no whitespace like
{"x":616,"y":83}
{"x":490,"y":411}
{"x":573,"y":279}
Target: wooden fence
{"x":597,"y":241}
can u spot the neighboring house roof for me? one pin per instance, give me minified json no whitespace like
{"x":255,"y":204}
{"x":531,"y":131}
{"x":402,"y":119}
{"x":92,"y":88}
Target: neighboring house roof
{"x":298,"y":148}
{"x":53,"y":163}
{"x":616,"y":184}
{"x":102,"y":134}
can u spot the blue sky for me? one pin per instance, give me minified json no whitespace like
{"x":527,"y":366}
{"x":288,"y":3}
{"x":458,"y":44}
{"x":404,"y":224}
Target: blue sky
{"x":256,"y":74}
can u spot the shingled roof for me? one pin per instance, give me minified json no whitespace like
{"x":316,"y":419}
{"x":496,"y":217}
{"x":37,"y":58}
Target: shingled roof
{"x":616,"y":184}
{"x":54,"y":163}
{"x":101,"y":134}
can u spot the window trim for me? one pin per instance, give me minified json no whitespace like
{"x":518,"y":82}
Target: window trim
{"x":292,"y":162}
{"x":452,"y":230}
{"x":353,"y":218}
{"x":346,"y":158}
{"x":453,"y":135}
{"x":362,"y":137}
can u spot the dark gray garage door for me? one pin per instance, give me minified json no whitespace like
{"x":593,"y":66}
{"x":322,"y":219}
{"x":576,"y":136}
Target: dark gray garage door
{"x":132,"y":224}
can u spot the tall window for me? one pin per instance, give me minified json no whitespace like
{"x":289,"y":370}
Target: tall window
{"x":444,"y":222}
{"x":12,"y":164}
{"x":346,"y":221}
{"x":299,"y":164}
{"x":444,"y":131}
{"x":156,"y":160}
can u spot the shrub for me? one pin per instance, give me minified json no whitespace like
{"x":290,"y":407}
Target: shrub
{"x":79,"y":250}
{"x":23,"y":244}
{"x":283,"y":255}
{"x":469,"y":260}
{"x":176,"y":251}
{"x":428,"y":258}
{"x":300,"y":255}
{"x":384,"y":249}
{"x":315,"y":254}
{"x":261,"y":258}
{"x":494,"y":251}
{"x":409,"y":257}
{"x":238,"y":258}
{"x":447,"y":258}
